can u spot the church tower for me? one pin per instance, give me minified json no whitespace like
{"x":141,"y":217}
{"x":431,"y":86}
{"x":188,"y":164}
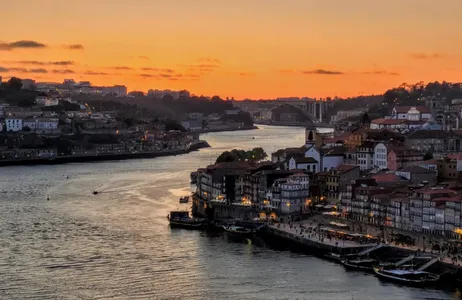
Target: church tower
{"x":311,"y":137}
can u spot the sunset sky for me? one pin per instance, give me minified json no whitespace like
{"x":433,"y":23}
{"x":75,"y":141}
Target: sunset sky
{"x":239,"y":48}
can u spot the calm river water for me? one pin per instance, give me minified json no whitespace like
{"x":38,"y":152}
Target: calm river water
{"x":117,"y":245}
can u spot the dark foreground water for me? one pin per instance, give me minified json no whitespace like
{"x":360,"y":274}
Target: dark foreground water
{"x":117,"y":245}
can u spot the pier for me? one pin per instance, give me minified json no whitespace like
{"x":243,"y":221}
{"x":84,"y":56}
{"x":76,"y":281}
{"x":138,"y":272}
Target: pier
{"x":312,"y":239}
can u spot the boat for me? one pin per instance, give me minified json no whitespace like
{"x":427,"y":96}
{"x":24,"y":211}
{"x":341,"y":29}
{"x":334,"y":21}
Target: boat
{"x":237,"y":230}
{"x":334,"y":257}
{"x":407,"y":276}
{"x":95,"y":192}
{"x":184,"y":220}
{"x":184,"y":199}
{"x":366,"y":264}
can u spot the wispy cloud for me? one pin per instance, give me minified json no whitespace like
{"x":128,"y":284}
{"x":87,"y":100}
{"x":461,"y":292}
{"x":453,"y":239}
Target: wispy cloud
{"x":23,"y":44}
{"x":143,"y":57}
{"x":243,"y":74}
{"x":23,"y":70}
{"x":380,"y":72}
{"x":170,"y":76}
{"x":74,"y":47}
{"x":424,"y":56}
{"x":43,"y":63}
{"x":121,"y":68}
{"x":209,"y":60}
{"x":322,"y":72}
{"x":157,"y":69}
{"x":65,"y":71}
{"x":92,"y":73}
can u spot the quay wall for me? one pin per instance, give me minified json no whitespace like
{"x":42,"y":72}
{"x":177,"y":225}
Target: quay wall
{"x":103,"y":157}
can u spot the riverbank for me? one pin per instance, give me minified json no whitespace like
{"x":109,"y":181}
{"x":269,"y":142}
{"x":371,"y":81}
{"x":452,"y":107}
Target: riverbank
{"x":103,"y":157}
{"x":294,"y":124}
{"x":225,"y":130}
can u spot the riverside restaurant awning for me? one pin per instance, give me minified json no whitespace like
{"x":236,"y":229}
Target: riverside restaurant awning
{"x":338,"y":224}
{"x":331,"y":213}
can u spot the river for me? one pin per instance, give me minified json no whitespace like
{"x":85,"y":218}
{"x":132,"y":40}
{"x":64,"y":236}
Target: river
{"x":118,"y":245}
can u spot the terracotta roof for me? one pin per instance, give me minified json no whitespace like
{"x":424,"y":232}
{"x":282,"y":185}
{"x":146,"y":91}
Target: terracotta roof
{"x":405,"y":109}
{"x":429,"y":134}
{"x":429,"y":162}
{"x":456,"y":156}
{"x":386,"y":177}
{"x":346,"y":168}
{"x":305,"y":160}
{"x":383,"y":121}
{"x":417,"y":170}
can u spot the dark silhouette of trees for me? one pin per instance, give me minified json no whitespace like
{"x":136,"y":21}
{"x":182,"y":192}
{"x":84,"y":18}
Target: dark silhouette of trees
{"x":256,"y":154}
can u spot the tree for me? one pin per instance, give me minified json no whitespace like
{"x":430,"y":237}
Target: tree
{"x":14,"y":84}
{"x":26,"y":129}
{"x":174,"y":125}
{"x":428,"y":156}
{"x":256,"y":154}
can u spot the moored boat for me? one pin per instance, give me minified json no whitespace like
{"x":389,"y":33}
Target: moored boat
{"x":184,"y":199}
{"x":407,"y":276}
{"x":237,"y":230}
{"x":184,"y":220}
{"x":360,"y":264}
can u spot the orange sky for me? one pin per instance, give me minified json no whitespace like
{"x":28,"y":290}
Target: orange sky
{"x":240,"y":48}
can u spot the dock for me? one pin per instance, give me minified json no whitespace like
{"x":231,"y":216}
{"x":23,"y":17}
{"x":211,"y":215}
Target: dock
{"x":316,"y":242}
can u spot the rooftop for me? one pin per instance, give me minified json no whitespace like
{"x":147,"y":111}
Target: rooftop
{"x":404,"y":109}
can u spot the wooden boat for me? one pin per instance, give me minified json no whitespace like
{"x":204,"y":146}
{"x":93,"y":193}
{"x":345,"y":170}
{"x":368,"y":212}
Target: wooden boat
{"x":184,"y":220}
{"x":411,"y":277}
{"x":334,"y":257}
{"x":365,"y":264}
{"x":184,"y":199}
{"x":239,"y":230}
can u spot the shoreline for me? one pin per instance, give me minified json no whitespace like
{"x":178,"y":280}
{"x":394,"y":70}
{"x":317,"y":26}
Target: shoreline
{"x":301,"y":125}
{"x":224,"y":130}
{"x":104,"y":157}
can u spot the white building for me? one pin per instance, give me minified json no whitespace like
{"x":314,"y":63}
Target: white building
{"x":304,"y":163}
{"x":381,"y":156}
{"x":290,"y":194}
{"x":13,"y":124}
{"x":412,"y":113}
{"x":41,"y":124}
{"x":365,"y":156}
{"x":118,"y":90}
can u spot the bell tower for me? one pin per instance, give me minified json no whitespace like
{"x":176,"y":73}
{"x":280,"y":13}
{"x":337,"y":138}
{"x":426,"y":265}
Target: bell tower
{"x":311,"y":136}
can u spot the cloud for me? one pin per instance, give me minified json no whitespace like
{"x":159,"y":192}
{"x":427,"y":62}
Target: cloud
{"x":65,"y":71}
{"x":96,"y":73}
{"x":380,"y":72}
{"x":23,"y":44}
{"x":157,"y":70}
{"x":322,"y":72}
{"x":170,"y":76}
{"x":44,"y":63}
{"x":423,"y":56}
{"x":210,"y":60}
{"x":23,"y":70}
{"x":73,"y":47}
{"x":243,"y":74}
{"x":121,"y":68}
{"x":143,"y":57}
{"x":37,"y":71}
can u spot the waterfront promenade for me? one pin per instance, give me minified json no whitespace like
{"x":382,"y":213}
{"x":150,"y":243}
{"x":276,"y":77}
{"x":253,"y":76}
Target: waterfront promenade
{"x":104,"y":156}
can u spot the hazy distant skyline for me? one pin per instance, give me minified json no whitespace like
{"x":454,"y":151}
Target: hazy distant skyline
{"x":241,"y":49}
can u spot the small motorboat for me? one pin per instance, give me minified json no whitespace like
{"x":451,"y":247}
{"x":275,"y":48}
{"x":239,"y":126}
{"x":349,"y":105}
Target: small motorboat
{"x":365,"y":264}
{"x":95,"y":192}
{"x":184,"y":199}
{"x":237,"y":230}
{"x":182,"y":219}
{"x":409,"y":276}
